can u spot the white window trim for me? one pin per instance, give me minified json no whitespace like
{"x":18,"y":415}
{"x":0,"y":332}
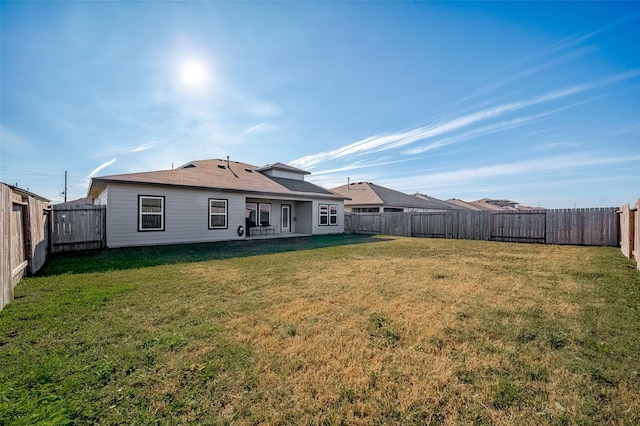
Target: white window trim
{"x":328,"y":215}
{"x":141,"y":213}
{"x":323,"y":215}
{"x":225,"y":214}
{"x":333,"y":217}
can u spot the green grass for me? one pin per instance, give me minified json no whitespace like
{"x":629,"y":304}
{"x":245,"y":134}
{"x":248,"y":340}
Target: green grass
{"x":326,"y":330}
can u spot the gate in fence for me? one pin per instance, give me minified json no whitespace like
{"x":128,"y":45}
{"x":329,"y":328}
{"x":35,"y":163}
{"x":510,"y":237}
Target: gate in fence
{"x":81,"y":227}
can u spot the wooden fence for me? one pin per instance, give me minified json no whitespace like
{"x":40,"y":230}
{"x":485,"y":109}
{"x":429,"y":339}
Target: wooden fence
{"x":596,"y":226}
{"x":24,"y":237}
{"x":81,"y":227}
{"x":630,"y":231}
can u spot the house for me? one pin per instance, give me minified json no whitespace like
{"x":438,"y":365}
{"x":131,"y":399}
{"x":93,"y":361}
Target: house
{"x":466,"y":205}
{"x":489,"y":204}
{"x":214,"y":200}
{"x":366,"y":197}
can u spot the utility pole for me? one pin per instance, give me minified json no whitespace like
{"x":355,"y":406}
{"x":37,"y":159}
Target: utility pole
{"x":65,"y":186}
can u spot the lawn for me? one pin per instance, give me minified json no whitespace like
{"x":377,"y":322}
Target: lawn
{"x":326,"y":330}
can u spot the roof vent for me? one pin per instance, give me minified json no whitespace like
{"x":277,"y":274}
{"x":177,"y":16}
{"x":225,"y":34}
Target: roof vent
{"x":221,"y":166}
{"x":248,"y":170}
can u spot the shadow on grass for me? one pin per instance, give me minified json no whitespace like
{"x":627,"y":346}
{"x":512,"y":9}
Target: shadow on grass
{"x":140,"y":257}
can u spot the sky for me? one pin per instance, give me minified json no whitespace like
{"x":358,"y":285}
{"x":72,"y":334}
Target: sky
{"x":535,"y":102}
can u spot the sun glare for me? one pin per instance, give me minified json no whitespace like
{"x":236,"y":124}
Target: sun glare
{"x":194,"y":74}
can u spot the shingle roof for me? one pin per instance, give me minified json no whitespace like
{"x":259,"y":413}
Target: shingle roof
{"x":281,"y":166}
{"x":437,"y":202}
{"x":464,"y":204}
{"x":213,"y":174}
{"x":369,"y":194}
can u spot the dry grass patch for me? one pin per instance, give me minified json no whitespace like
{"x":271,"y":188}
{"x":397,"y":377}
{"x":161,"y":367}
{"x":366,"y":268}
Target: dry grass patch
{"x":401,"y":331}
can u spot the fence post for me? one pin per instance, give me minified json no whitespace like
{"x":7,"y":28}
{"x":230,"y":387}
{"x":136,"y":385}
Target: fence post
{"x":637,"y":234}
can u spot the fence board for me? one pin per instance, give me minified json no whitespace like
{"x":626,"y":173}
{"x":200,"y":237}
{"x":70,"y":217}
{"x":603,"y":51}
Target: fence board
{"x":562,"y":226}
{"x":23,"y":238}
{"x":78,"y":228}
{"x":38,"y":234}
{"x":524,"y":227}
{"x":429,"y":225}
{"x":6,"y":287}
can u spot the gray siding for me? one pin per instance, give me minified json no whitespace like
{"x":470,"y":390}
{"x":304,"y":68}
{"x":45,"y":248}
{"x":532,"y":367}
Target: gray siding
{"x":303,"y":214}
{"x":327,"y":229}
{"x":186,"y":216}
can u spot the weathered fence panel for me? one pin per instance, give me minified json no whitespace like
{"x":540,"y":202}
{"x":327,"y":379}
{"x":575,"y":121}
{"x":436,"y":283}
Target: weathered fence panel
{"x":366,"y":223}
{"x":79,"y":227}
{"x":589,"y":227}
{"x":630,"y":231}
{"x":393,"y":223}
{"x":523,"y":227}
{"x":627,"y":230}
{"x":575,"y":226}
{"x":428,"y":225}
{"x":23,"y":235}
{"x":636,"y":245}
{"x":37,"y":241}
{"x":6,"y":284}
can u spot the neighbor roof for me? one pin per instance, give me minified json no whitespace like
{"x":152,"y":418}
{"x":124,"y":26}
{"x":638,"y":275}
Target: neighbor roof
{"x":220,"y":175}
{"x":370,"y":194}
{"x":437,"y":202}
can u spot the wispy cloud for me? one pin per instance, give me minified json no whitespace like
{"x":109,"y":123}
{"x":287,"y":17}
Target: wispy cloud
{"x":85,"y":181}
{"x":388,"y":141}
{"x":124,"y":150}
{"x":481,"y":131}
{"x":455,"y":178}
{"x":264,"y":127}
{"x":140,"y":148}
{"x":557,"y":145}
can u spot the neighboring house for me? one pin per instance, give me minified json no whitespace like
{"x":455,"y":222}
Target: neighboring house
{"x":484,"y":204}
{"x":214,"y":200}
{"x":78,"y":202}
{"x":366,"y":197}
{"x":468,"y":205}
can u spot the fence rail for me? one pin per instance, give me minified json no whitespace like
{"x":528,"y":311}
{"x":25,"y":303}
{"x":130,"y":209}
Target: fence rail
{"x":597,"y":226}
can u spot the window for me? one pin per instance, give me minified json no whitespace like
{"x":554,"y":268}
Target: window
{"x":258,"y":214}
{"x":217,"y":214}
{"x":324,"y":214}
{"x":328,"y":214}
{"x":333,"y":214}
{"x":265,"y":214}
{"x":150,"y":213}
{"x":251,"y":213}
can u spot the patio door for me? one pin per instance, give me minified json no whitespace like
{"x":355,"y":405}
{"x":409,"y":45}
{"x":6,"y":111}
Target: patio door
{"x":286,"y":218}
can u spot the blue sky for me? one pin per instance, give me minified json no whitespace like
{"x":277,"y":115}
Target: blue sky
{"x":535,"y":102}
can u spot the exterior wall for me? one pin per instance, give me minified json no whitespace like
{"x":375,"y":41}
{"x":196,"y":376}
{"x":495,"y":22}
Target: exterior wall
{"x":102,"y":198}
{"x":327,"y":229}
{"x":186,"y":216}
{"x":303,"y":214}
